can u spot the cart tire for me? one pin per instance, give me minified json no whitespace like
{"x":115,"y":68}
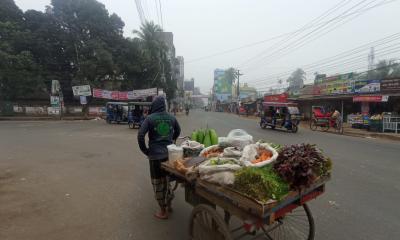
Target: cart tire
{"x":299,"y":225}
{"x":325,"y":128}
{"x":295,"y":128}
{"x":206,"y":223}
{"x":263,"y":125}
{"x":339,"y":127}
{"x":313,"y":124}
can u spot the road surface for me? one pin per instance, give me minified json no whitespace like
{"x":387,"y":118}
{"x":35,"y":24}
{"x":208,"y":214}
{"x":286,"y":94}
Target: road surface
{"x":88,"y":180}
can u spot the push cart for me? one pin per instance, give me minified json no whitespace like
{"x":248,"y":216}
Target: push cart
{"x":215,"y":205}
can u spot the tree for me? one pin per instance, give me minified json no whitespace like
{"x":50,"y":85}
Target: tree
{"x":296,"y":79}
{"x":384,"y":69}
{"x":154,"y":54}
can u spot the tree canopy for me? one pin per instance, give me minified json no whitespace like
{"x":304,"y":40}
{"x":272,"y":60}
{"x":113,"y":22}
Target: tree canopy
{"x":76,"y":42}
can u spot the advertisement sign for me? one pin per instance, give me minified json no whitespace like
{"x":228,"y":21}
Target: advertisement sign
{"x":366,"y":86}
{"x":145,"y":92}
{"x":222,"y":82}
{"x":83,"y":100}
{"x":340,"y":86}
{"x":223,"y":97}
{"x":83,"y":90}
{"x":376,"y":98}
{"x":276,"y":98}
{"x":390,"y":85}
{"x":127,"y":95}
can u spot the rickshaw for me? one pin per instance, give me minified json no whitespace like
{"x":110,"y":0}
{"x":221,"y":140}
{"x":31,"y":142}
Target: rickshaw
{"x":322,"y":118}
{"x":280,"y":115}
{"x":137,"y":112}
{"x":117,"y":112}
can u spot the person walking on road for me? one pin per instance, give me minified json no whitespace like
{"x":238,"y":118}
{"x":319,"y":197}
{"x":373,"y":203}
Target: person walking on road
{"x":163,"y":129}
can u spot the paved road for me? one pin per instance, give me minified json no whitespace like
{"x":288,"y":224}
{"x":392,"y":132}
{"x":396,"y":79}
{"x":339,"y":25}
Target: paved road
{"x":88,"y":180}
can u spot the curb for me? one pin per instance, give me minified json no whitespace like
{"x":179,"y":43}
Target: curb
{"x":44,"y":118}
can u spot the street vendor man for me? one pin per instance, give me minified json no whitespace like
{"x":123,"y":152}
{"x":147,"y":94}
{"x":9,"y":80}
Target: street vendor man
{"x":163,"y":129}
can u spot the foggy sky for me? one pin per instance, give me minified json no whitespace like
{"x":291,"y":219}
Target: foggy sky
{"x":205,"y":27}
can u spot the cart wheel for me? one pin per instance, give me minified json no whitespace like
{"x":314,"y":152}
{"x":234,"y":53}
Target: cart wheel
{"x":339,"y":127}
{"x":325,"y":127}
{"x":299,"y":225}
{"x":313,"y":124}
{"x":206,"y":223}
{"x":263,"y":125}
{"x":295,"y":128}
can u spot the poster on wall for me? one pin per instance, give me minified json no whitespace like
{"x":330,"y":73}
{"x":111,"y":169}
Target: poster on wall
{"x":83,"y":100}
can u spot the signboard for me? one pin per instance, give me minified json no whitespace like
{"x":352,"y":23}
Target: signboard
{"x":222,"y":82}
{"x":338,"y":86}
{"x":276,"y":98}
{"x":83,"y":100}
{"x":127,"y":95}
{"x":376,"y":98}
{"x":390,"y":85}
{"x":83,"y":90}
{"x":366,"y":86}
{"x":223,"y":97}
{"x":55,"y":101}
{"x":145,"y":92}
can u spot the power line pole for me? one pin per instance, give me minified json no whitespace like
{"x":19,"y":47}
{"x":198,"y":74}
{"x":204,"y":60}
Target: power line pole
{"x":238,"y":74}
{"x":371,"y":59}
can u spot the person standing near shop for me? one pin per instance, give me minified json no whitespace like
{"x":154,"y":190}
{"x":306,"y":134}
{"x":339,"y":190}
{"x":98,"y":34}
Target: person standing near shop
{"x":163,"y":129}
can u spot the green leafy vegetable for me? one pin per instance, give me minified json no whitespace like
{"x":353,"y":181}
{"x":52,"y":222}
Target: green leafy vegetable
{"x":301,"y":164}
{"x":261,"y":184}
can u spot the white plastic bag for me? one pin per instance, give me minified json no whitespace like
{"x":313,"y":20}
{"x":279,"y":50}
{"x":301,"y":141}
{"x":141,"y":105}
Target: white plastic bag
{"x":232,"y":152}
{"x":220,"y":174}
{"x":239,"y":138}
{"x":192,"y":144}
{"x":250,"y":153}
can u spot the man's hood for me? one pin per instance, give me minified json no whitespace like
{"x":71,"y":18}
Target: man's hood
{"x":158,"y":105}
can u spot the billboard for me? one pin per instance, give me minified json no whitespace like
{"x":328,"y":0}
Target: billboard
{"x":389,"y":85}
{"x":366,"y":86}
{"x":222,"y":82}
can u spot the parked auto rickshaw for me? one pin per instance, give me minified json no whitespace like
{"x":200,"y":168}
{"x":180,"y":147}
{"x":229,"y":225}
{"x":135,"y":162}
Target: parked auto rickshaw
{"x":117,"y":112}
{"x":137,"y":112}
{"x":280,"y":115}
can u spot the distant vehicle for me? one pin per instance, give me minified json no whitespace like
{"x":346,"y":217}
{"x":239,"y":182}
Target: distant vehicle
{"x":137,"y":112}
{"x":117,"y":112}
{"x":280,"y":115}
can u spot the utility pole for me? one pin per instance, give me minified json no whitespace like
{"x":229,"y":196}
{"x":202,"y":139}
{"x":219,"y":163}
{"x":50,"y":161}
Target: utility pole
{"x":238,"y":74}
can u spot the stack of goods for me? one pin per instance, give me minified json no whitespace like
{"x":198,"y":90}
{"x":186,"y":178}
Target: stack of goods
{"x":262,"y":171}
{"x":375,"y":123}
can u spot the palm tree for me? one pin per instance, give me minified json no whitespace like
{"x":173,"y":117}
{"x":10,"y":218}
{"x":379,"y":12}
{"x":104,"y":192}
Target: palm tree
{"x":149,"y":38}
{"x":155,"y":51}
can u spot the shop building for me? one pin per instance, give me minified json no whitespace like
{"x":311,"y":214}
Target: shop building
{"x":363,"y":103}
